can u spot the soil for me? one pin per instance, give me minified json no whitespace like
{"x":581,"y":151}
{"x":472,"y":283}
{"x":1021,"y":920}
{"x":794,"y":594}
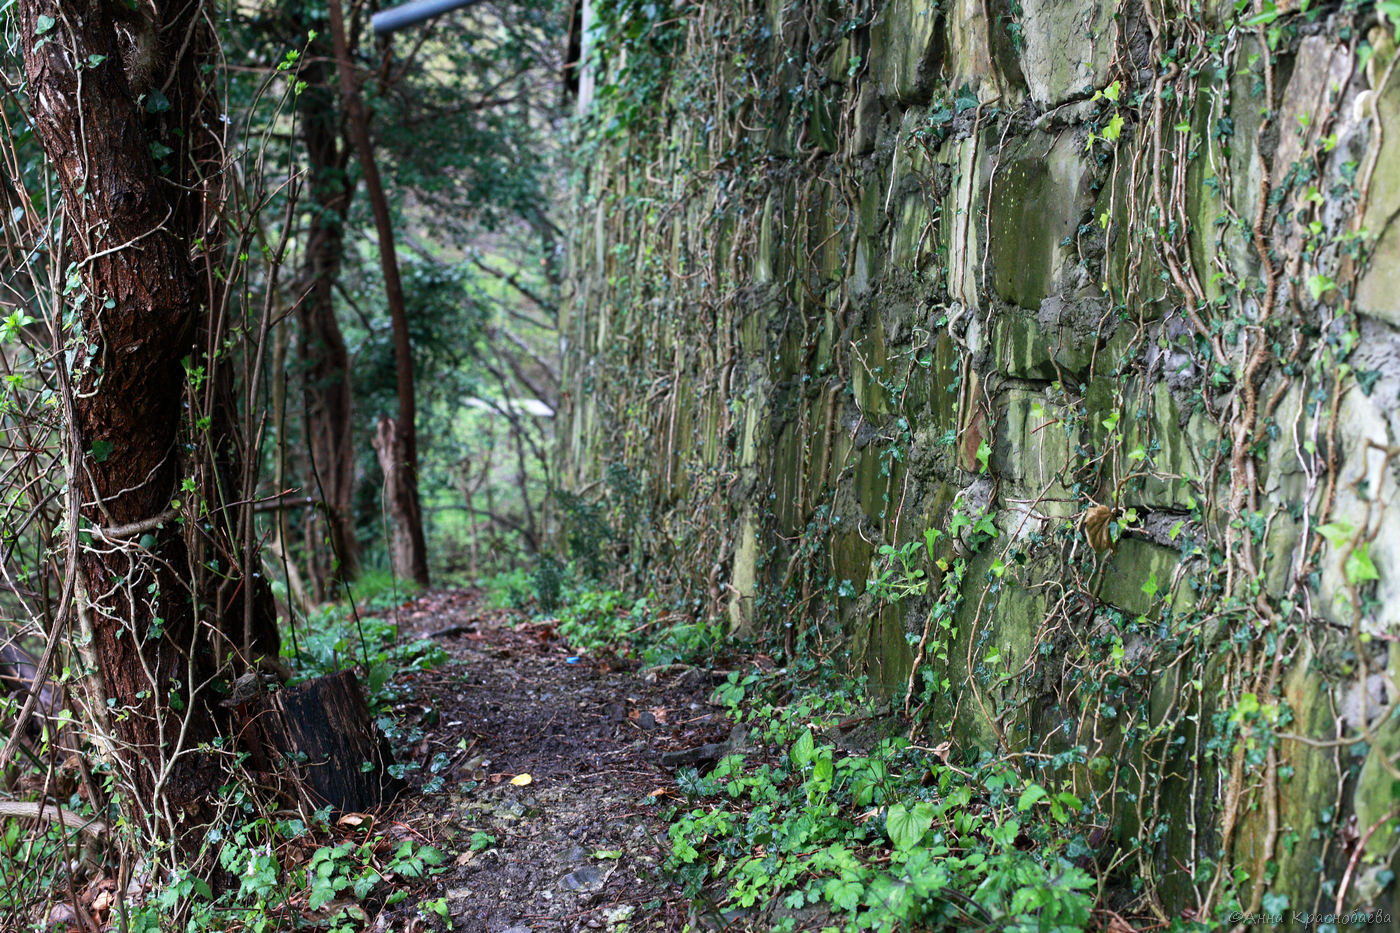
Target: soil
{"x":554,"y":773}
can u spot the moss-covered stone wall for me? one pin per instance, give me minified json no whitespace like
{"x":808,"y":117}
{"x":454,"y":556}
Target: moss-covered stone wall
{"x":1039,"y":362}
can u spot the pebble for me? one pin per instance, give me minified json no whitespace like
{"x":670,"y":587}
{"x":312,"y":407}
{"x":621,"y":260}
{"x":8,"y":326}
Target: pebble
{"x":585,"y":879}
{"x":618,"y":914}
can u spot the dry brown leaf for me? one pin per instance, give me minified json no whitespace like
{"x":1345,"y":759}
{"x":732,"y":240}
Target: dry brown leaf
{"x":1096,"y":522}
{"x":1117,"y":924}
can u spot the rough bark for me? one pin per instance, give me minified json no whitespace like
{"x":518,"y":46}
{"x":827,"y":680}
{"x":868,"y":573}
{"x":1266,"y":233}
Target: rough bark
{"x":325,"y":361}
{"x":132,"y":220}
{"x":405,"y":495}
{"x":323,"y":739}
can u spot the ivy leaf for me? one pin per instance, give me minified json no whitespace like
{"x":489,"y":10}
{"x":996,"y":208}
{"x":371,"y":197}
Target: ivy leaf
{"x":1029,"y":797}
{"x":156,"y":101}
{"x":966,"y":98}
{"x":1269,"y":13}
{"x":1390,"y":9}
{"x":907,"y":825}
{"x":1360,"y":568}
{"x":1336,"y":533}
{"x":44,"y":24}
{"x":801,"y":753}
{"x":1151,"y":586}
{"x":1319,"y":285}
{"x":101,"y":450}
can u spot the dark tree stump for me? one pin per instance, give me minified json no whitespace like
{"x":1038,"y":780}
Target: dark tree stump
{"x":328,"y":745}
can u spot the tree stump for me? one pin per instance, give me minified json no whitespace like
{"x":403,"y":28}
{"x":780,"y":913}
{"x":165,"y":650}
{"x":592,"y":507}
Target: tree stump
{"x":324,"y":741}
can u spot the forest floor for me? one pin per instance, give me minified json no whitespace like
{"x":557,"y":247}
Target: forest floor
{"x":555,"y":769}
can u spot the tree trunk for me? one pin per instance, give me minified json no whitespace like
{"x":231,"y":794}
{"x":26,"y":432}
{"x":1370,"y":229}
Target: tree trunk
{"x":400,"y":501}
{"x":140,"y":303}
{"x":134,"y":182}
{"x":325,"y":359}
{"x":405,"y":493}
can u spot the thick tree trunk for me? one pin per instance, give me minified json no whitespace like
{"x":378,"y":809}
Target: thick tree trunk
{"x":321,"y":346}
{"x":132,"y":220}
{"x":405,"y":426}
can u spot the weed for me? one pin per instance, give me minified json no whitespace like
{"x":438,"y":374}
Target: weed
{"x":509,"y":589}
{"x":593,"y":619}
{"x":333,"y":640}
{"x":279,"y":883}
{"x":380,"y":590}
{"x":892,"y":839}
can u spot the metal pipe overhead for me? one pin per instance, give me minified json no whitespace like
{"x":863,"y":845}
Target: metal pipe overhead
{"x":410,"y":14}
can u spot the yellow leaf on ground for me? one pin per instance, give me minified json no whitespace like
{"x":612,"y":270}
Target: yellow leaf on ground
{"x":520,"y":780}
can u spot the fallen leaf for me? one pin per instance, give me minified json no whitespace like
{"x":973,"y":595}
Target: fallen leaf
{"x":1117,"y":924}
{"x":520,"y":780}
{"x":352,"y":819}
{"x":941,"y":750}
{"x":608,"y":853}
{"x":660,"y":715}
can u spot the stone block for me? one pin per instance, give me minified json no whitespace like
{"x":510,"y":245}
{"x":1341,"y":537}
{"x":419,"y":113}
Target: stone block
{"x":870,"y":369}
{"x":904,"y":49}
{"x":743,"y":577}
{"x":1067,"y":48}
{"x":1378,"y":291}
{"x":969,"y":58}
{"x":1058,"y":342}
{"x":1139,"y":578}
{"x":1367,"y":506}
{"x":1038,"y":196}
{"x":1032,"y":450}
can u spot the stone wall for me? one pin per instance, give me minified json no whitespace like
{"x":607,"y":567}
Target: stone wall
{"x":1039,"y":362}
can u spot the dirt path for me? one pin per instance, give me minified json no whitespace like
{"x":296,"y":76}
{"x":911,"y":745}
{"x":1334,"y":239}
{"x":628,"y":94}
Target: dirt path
{"x":579,"y":845}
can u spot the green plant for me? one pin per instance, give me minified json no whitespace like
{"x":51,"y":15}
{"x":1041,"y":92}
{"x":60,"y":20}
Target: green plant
{"x":273,"y":886}
{"x":379,"y":590}
{"x":335,"y":638}
{"x":509,"y":589}
{"x":893,"y":839}
{"x":592,"y":619}
{"x":898,"y":574}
